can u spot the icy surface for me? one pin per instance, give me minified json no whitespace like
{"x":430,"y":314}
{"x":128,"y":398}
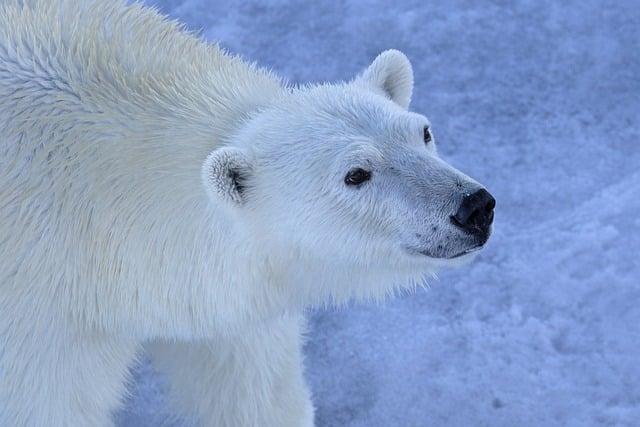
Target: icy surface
{"x":539,"y":100}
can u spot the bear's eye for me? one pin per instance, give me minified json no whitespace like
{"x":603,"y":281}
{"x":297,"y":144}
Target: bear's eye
{"x":427,"y":135}
{"x":357,"y":176}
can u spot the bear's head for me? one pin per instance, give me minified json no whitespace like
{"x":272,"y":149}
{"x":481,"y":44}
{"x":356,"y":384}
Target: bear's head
{"x":344,"y":184}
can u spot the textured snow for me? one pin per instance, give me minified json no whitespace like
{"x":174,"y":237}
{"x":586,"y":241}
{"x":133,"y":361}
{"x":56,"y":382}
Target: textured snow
{"x":540,"y":101}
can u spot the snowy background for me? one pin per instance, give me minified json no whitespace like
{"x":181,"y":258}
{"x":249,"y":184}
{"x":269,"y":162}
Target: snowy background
{"x":540,"y":101}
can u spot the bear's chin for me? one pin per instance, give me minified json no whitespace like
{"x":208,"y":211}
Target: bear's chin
{"x":455,"y":260}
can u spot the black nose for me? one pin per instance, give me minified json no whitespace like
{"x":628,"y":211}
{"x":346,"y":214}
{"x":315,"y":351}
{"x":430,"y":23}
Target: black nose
{"x":475,"y":213}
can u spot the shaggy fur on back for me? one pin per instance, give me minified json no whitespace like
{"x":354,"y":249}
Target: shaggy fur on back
{"x":85,"y":182}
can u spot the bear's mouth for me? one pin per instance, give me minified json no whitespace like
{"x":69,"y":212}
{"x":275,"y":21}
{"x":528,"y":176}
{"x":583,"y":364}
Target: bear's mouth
{"x":426,"y":252}
{"x":467,"y":252}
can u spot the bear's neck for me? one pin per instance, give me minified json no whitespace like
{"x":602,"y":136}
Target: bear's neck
{"x":175,"y":213}
{"x":151,"y":143}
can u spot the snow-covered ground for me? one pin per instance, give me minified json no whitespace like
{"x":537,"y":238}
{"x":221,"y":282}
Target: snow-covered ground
{"x":539,"y":100}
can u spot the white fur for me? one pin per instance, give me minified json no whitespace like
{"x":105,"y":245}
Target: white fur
{"x":120,"y":223}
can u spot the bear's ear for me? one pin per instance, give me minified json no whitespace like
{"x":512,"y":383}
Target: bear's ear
{"x":225,"y":173}
{"x":392,"y":75}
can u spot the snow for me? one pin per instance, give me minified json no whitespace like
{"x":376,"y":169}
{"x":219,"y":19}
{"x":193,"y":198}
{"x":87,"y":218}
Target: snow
{"x":540,"y":101}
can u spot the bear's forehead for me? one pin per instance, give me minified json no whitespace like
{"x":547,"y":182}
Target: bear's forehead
{"x":359,"y":112}
{"x":379,"y":130}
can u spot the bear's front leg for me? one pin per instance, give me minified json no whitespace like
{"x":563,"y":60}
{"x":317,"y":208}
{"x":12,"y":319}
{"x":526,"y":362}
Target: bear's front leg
{"x":251,"y":380}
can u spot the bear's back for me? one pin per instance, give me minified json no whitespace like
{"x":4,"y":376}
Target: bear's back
{"x":107,"y":112}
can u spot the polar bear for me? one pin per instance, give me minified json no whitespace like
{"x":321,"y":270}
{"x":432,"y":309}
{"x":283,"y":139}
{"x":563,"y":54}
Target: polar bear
{"x":158,"y":194}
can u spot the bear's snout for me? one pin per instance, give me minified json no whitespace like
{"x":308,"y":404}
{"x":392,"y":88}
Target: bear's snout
{"x":475,"y":214}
